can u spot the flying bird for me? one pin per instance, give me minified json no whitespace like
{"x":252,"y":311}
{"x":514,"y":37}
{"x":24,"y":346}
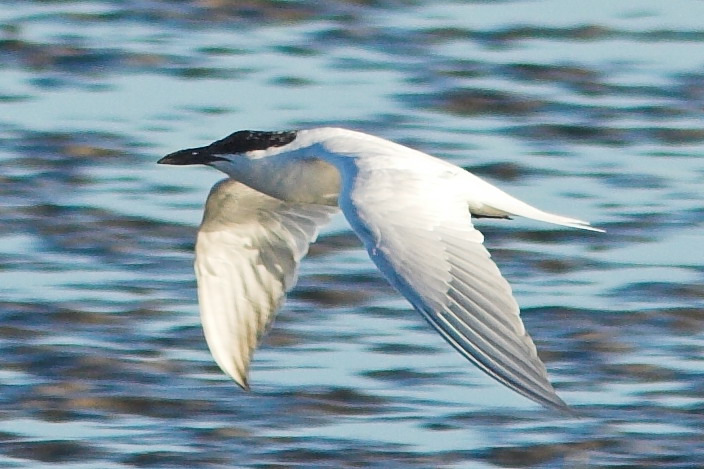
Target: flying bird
{"x":412,"y":213}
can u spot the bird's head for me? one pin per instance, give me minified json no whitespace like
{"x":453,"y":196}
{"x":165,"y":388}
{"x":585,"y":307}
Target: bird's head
{"x":230,"y":147}
{"x":282,"y":165}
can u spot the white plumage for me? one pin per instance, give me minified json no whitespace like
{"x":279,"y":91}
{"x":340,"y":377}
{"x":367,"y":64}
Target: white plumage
{"x":247,"y":252}
{"x":410,"y":210}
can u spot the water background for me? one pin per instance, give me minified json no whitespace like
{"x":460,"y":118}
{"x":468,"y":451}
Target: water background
{"x":591,"y":109}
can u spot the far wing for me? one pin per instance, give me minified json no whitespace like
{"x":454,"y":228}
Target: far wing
{"x":247,"y":254}
{"x":420,"y":235}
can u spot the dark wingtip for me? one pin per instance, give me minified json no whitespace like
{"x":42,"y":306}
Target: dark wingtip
{"x":565,"y":410}
{"x":245,"y":385}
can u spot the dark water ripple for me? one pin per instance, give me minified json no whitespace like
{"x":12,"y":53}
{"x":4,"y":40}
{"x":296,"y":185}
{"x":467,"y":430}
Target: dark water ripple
{"x":594,"y":115}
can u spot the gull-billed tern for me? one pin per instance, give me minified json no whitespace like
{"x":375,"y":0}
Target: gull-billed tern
{"x":411,"y":211}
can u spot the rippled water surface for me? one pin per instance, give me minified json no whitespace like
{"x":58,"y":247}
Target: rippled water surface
{"x":592,"y":109}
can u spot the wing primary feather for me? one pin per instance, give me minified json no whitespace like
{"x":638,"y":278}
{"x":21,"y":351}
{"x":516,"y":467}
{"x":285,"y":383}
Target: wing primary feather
{"x":479,"y":322}
{"x":506,"y":308}
{"x":551,"y":399}
{"x":501,"y":356}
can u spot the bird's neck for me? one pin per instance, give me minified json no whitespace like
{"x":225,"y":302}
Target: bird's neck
{"x":292,"y":176}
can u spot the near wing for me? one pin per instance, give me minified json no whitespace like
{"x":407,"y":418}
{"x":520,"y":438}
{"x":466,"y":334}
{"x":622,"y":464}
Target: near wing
{"x":421,"y":237}
{"x":247,"y":253}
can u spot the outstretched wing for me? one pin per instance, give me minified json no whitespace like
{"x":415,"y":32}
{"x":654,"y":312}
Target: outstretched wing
{"x":247,"y":254}
{"x":418,"y":231}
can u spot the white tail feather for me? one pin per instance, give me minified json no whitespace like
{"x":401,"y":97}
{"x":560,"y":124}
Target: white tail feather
{"x":494,"y":202}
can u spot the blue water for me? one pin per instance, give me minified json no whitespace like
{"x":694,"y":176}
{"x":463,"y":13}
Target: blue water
{"x":591,"y":109}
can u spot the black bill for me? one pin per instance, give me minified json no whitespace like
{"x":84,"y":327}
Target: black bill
{"x":202,"y":155}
